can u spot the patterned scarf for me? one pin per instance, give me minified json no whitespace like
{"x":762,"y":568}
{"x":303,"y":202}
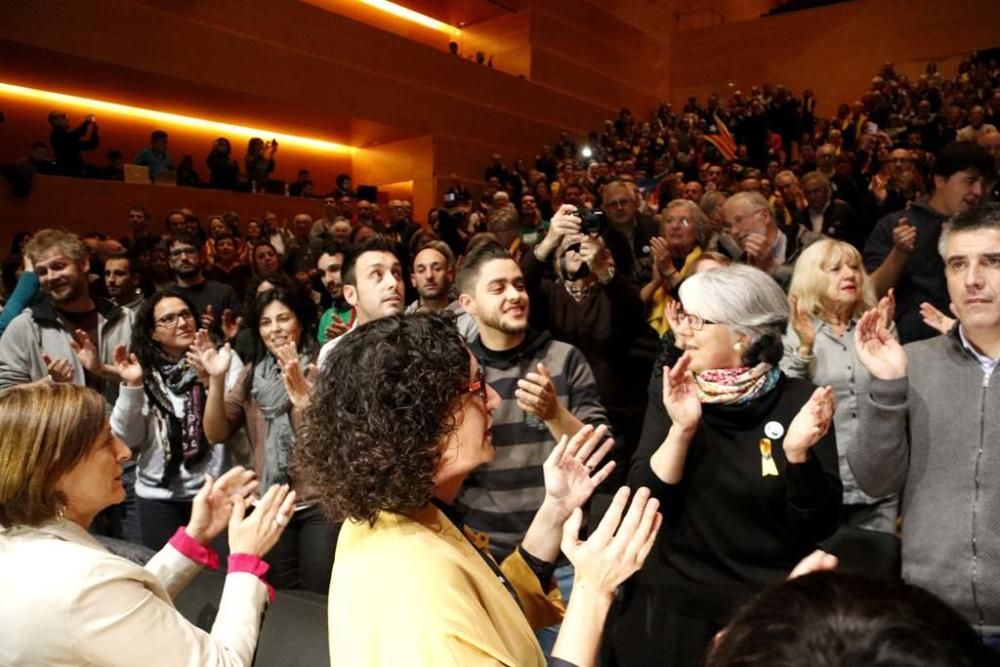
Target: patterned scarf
{"x":732,"y":386}
{"x":180,"y":436}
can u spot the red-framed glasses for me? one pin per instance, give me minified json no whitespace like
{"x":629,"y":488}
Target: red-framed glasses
{"x":479,"y":385}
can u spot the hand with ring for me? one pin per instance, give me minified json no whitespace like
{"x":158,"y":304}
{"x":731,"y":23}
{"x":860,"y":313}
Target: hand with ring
{"x":257,"y":533}
{"x":213,"y":505}
{"x":569,"y":471}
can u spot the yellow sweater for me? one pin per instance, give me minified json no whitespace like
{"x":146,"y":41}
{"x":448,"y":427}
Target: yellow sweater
{"x":412,"y":590}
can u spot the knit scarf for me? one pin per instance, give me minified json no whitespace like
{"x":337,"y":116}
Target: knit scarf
{"x":269,"y":392}
{"x":732,"y":386}
{"x":178,"y":433}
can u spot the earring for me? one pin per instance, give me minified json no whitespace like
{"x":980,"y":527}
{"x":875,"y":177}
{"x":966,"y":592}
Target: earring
{"x":738,"y":347}
{"x":61,"y":512}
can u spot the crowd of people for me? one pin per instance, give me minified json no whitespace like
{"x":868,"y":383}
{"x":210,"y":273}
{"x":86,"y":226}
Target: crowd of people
{"x":764,"y":365}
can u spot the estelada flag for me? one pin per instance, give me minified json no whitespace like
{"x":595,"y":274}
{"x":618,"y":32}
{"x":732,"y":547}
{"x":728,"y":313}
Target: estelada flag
{"x":722,"y":139}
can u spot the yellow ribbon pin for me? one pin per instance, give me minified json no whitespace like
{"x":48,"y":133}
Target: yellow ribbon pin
{"x":767,"y":467}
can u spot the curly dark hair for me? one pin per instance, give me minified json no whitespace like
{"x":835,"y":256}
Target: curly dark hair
{"x":147,"y":350}
{"x":383,"y":404}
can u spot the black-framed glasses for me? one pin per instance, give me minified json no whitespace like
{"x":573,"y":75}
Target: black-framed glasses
{"x":696,"y":322}
{"x":479,"y":385}
{"x":171,"y":319}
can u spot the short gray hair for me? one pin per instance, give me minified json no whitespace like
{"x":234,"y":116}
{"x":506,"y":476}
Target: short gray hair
{"x":697,"y":216}
{"x":750,"y":199}
{"x":984,"y":216}
{"x":745,"y":299}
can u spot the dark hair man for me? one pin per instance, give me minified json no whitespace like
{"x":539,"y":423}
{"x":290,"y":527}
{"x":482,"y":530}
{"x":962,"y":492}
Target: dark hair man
{"x":155,"y":155}
{"x":218,"y":304}
{"x":121,"y":282}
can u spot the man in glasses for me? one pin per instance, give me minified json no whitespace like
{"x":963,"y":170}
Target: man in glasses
{"x":749,"y":220}
{"x":217,"y":303}
{"x":68,"y":335}
{"x":629,"y":232}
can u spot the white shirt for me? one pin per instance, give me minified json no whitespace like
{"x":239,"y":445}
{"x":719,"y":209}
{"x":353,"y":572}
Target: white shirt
{"x":988,"y":365}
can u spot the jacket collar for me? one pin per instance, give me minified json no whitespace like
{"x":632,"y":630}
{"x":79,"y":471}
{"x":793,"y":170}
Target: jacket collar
{"x":45,"y":314}
{"x":61,"y":529}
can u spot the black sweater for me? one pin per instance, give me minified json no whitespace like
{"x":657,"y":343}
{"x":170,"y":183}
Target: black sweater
{"x":728,"y":531}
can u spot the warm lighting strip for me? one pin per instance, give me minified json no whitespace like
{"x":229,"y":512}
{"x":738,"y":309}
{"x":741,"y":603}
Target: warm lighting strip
{"x":410,"y":15}
{"x":167,"y":118}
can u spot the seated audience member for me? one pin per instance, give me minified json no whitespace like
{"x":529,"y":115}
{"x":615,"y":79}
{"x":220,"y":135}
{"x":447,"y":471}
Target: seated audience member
{"x":829,"y":618}
{"x":303,"y":251}
{"x":322,"y":227}
{"x":302,"y":187}
{"x":267,"y":398}
{"x":159,"y":414}
{"x":991,"y":142}
{"x":122,"y":282}
{"x":226,"y":266}
{"x":395,"y":479}
{"x":902,"y":251}
{"x":373,"y":286}
{"x":155,"y":156}
{"x":68,"y":145}
{"x":829,"y":293}
{"x":41,"y":161}
{"x":547,"y":389}
{"x":223,"y":169}
{"x":826,"y":215}
{"x":339,"y":317}
{"x":216,"y":304}
{"x":684,"y":228}
{"x":259,"y":163}
{"x":41,"y":342}
{"x":977,"y":126}
{"x":742,"y":460}
{"x":187,"y":176}
{"x":927,"y":425}
{"x":113,"y":169}
{"x":67,"y":600}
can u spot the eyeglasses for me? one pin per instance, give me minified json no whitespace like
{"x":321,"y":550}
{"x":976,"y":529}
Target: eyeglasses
{"x":740,"y":219}
{"x":170,"y":320}
{"x":696,"y":322}
{"x":618,"y":203}
{"x":479,"y":385}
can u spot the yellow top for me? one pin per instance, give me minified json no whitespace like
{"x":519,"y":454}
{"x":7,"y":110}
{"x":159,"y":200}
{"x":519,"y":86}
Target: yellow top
{"x":661,"y":297}
{"x":412,"y":590}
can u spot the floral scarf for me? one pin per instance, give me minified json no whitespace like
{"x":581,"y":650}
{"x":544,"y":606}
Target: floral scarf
{"x":732,"y":386}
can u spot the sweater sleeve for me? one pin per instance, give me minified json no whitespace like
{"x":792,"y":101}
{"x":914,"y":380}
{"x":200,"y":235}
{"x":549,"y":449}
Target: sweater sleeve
{"x":879,"y":457}
{"x":542,"y":606}
{"x":127,"y":420}
{"x":792,"y":363}
{"x":584,"y":401}
{"x":17,"y":345}
{"x":22,"y":297}
{"x":814,"y":492}
{"x":654,"y":431}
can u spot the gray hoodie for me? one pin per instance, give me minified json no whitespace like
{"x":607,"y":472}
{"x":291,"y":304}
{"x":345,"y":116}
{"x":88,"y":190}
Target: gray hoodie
{"x":934,"y":437}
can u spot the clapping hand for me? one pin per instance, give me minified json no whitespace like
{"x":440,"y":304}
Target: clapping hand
{"x":616,"y":549}
{"x":128,"y":368}
{"x":878,"y":349}
{"x":569,"y":471}
{"x":207,"y":317}
{"x":803,"y":326}
{"x":935,"y":319}
{"x":809,"y":425}
{"x":213,"y":505}
{"x":536,"y":394}
{"x":904,"y":236}
{"x":86,"y":352}
{"x":60,"y":369}
{"x":230,"y":324}
{"x":672,"y":312}
{"x":214,"y":361}
{"x":887,"y":308}
{"x":298,"y":382}
{"x":335,"y":329}
{"x":680,"y":394}
{"x":257,"y":533}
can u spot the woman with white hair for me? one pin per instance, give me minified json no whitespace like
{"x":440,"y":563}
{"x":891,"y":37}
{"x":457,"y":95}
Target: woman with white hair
{"x":743,"y":461}
{"x":829,"y":293}
{"x":683,"y":231}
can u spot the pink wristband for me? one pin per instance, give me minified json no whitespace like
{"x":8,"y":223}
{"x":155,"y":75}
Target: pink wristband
{"x":252,"y":565}
{"x":199,"y":553}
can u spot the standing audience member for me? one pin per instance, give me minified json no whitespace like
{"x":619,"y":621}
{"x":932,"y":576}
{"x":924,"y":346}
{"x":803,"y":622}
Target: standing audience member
{"x":216,"y":305}
{"x":395,"y":481}
{"x":267,"y":398}
{"x":684,"y":228}
{"x":68,"y":145}
{"x":259,"y":163}
{"x":227,"y":267}
{"x":829,"y":293}
{"x":928,"y":424}
{"x":902,"y":251}
{"x":339,"y":317}
{"x":223,"y":169}
{"x":122,"y":282}
{"x":42,"y":341}
{"x":155,"y":156}
{"x":742,"y":460}
{"x":67,"y":600}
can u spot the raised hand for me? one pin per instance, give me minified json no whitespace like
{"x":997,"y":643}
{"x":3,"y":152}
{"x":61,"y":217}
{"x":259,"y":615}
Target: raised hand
{"x":230,"y":324}
{"x":617,"y":548}
{"x":680,"y":394}
{"x":878,"y":349}
{"x":596,"y":256}
{"x":817,"y":561}
{"x":564,"y":223}
{"x":672,"y":313}
{"x":935,"y":319}
{"x":803,"y":326}
{"x":60,"y":369}
{"x":887,"y":308}
{"x":207,"y":317}
{"x":256,"y":534}
{"x":213,"y":505}
{"x":335,"y":329}
{"x":86,"y":352}
{"x":662,"y":259}
{"x":536,"y":394}
{"x":214,"y":361}
{"x":809,"y":425}
{"x":904,"y":236}
{"x":756,"y":247}
{"x":298,"y":382}
{"x":569,"y":471}
{"x":128,"y":368}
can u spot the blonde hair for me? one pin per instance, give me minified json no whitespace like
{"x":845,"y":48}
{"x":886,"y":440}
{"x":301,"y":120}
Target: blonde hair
{"x":47,"y":430}
{"x":48,"y":239}
{"x":810,"y":279}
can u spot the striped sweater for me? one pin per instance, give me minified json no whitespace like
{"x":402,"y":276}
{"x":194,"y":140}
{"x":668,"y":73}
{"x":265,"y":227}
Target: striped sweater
{"x":501,"y":498}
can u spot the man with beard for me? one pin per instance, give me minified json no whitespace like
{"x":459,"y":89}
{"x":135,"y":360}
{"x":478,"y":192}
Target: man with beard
{"x":432,"y":276}
{"x":121,"y":282}
{"x":373,"y":286}
{"x":68,"y":336}
{"x":339,"y":317}
{"x":547,"y":390}
{"x":218,"y":304}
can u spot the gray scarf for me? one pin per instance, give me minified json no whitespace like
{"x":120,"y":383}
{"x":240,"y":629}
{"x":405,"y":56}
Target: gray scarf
{"x":269,"y":393}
